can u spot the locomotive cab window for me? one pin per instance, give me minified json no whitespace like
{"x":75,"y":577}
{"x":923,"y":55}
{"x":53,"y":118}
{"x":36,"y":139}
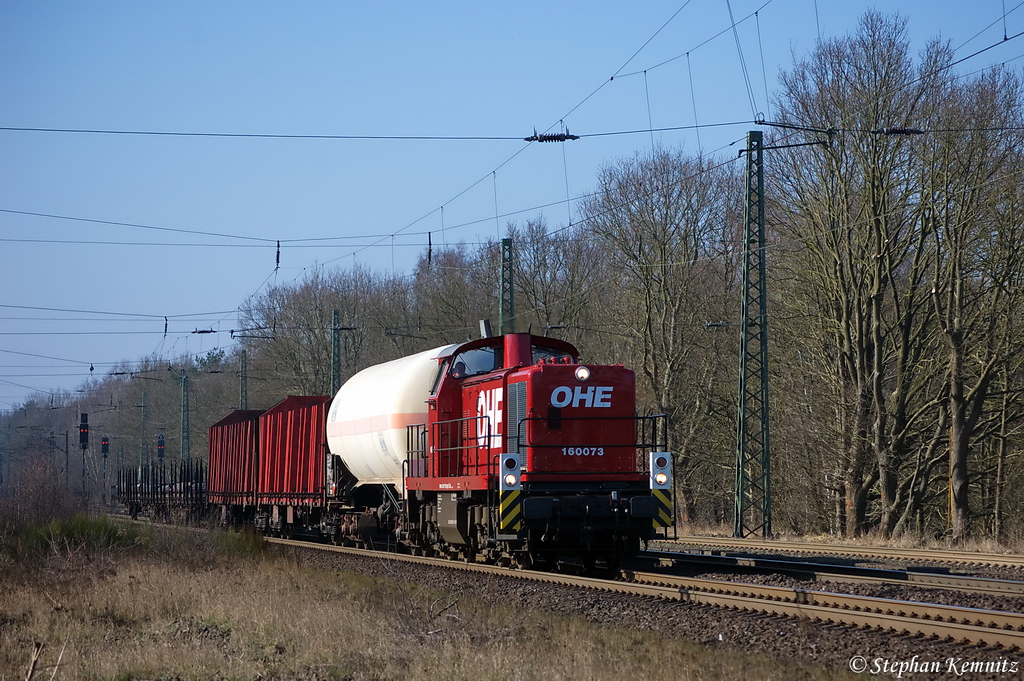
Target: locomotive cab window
{"x":475,"y":362}
{"x":441,"y":371}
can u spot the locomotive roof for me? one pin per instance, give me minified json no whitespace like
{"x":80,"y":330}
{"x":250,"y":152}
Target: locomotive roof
{"x":497,"y":341}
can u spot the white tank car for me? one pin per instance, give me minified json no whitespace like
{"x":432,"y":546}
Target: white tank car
{"x":367,"y":420}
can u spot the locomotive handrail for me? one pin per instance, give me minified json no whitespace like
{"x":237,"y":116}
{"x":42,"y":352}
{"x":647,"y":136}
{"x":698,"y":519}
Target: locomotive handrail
{"x":466,"y":453}
{"x":468,"y":450}
{"x":582,"y":474}
{"x":416,"y":452}
{"x":656,"y":443}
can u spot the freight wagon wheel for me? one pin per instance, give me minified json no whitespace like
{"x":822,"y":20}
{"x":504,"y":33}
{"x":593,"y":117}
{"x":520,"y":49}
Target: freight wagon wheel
{"x":534,"y":560}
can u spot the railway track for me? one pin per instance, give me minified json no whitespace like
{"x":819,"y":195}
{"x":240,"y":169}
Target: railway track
{"x":829,"y":573}
{"x":968,"y":625}
{"x":852,"y":574}
{"x":897,"y":555}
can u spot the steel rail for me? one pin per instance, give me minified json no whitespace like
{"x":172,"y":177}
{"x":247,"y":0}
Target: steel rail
{"x":904,"y":554}
{"x":969,"y":625}
{"x":972,"y":625}
{"x":854,"y":574}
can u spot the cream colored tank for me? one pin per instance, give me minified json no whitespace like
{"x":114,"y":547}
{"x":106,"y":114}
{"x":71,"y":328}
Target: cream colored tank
{"x":366,"y":425}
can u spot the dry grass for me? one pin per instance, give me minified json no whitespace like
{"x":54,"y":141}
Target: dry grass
{"x":198,"y":608}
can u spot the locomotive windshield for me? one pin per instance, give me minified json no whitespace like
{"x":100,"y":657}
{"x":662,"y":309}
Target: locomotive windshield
{"x":475,"y":362}
{"x":485,"y":360}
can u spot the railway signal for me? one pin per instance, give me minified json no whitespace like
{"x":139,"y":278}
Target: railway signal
{"x":83,"y":432}
{"x":661,"y":488}
{"x":510,"y":503}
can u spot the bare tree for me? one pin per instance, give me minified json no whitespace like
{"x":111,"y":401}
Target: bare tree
{"x":848,"y":213}
{"x":561,"y":283}
{"x":972,"y":196}
{"x":668,"y":224}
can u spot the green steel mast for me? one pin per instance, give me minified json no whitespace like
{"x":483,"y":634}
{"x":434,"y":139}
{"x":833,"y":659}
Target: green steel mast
{"x":753,"y":512}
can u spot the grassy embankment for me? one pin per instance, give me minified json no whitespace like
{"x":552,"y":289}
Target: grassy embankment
{"x":89,"y":598}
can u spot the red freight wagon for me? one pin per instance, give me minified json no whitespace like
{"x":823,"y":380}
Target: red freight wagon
{"x":290,"y":470}
{"x":234,"y":441}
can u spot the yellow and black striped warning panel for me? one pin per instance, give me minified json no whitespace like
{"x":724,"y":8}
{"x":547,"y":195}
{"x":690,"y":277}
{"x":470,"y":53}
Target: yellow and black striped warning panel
{"x":510,"y":507}
{"x":663,"y":517}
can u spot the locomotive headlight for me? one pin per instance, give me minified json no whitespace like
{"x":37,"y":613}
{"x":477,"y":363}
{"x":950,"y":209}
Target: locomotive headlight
{"x":510,"y":480}
{"x":661,"y":478}
{"x":582,"y":374}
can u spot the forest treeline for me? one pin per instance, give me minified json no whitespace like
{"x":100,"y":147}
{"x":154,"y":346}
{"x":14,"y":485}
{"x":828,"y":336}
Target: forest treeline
{"x":895,"y":223}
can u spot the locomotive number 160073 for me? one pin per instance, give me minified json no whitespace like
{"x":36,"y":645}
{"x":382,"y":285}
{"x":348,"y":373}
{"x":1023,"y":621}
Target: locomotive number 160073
{"x":582,"y":451}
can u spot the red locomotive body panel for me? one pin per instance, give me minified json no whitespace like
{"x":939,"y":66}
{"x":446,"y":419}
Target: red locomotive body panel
{"x":293,"y":434}
{"x":458,"y":439}
{"x":521,"y":393}
{"x":234,"y":442}
{"x":577,"y":428}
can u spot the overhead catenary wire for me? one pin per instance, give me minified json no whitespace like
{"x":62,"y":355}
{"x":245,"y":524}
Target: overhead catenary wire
{"x":618,"y":73}
{"x":383,"y":238}
{"x":112,"y":314}
{"x":894,"y":211}
{"x":702,"y":259}
{"x":764,"y":70}
{"x":696,"y":47}
{"x":693,"y":99}
{"x":245,"y":135}
{"x":1002,"y":18}
{"x":743,"y":61}
{"x":134,"y":225}
{"x":496,"y":216}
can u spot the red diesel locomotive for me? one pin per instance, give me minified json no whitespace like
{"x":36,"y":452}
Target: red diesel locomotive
{"x":503,"y":449}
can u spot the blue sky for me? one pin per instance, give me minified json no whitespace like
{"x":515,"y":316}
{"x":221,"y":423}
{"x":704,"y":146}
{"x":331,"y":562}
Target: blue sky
{"x":197,"y":217}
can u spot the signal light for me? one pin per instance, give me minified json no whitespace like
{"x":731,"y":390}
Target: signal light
{"x":661,"y":470}
{"x":160,"y":446}
{"x":510,"y":480}
{"x":105,"y":446}
{"x":83,"y":432}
